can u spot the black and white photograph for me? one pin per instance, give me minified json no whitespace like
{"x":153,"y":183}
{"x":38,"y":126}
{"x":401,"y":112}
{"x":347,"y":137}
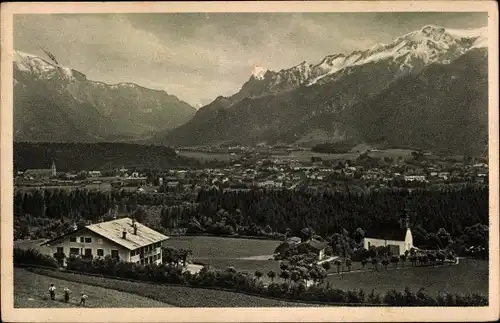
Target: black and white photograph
{"x":242,"y":158}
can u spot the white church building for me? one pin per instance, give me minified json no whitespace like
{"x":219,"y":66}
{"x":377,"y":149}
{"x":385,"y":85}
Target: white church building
{"x":399,"y":240}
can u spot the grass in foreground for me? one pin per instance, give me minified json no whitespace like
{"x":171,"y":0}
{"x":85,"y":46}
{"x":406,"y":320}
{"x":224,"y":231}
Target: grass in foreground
{"x":31,"y":291}
{"x":175,"y":295}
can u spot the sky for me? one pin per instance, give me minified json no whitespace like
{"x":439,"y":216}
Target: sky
{"x":199,"y":56}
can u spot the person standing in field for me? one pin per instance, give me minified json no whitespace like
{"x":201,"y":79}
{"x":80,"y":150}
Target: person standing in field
{"x":52,"y":292}
{"x":66,"y":294}
{"x":83,"y":299}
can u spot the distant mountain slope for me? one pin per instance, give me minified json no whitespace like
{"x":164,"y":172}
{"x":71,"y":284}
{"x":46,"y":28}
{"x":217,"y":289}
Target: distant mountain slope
{"x":55,"y":103}
{"x":335,"y":99}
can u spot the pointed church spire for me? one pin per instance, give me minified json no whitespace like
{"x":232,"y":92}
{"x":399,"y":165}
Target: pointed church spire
{"x":54,"y":172}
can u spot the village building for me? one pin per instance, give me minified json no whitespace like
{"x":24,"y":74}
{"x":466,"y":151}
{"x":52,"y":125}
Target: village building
{"x":94,"y":173}
{"x":399,"y":240}
{"x":41,"y":173}
{"x":317,"y":247}
{"x":123,"y":239}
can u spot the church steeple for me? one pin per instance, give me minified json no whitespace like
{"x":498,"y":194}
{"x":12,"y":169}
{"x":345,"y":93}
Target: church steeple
{"x":54,"y":172}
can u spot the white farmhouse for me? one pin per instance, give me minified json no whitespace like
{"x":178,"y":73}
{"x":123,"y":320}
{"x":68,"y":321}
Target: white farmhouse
{"x":123,"y":239}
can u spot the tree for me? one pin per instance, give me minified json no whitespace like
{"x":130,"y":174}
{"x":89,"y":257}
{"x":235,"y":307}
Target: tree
{"x":295,"y":276}
{"x":363,"y":262}
{"x":285,"y":274}
{"x":385,"y":262}
{"x":338,"y":263}
{"x":258,"y":274}
{"x":184,"y":254}
{"x":358,"y":235}
{"x":326,"y":265}
{"x":271,"y":274}
{"x":348,"y":263}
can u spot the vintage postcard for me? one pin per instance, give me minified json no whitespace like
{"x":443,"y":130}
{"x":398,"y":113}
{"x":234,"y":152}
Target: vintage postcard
{"x":249,"y":161}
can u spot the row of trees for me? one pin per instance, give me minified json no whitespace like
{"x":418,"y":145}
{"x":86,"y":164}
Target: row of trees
{"x":327,"y":213}
{"x":292,"y":288}
{"x":456,"y":217}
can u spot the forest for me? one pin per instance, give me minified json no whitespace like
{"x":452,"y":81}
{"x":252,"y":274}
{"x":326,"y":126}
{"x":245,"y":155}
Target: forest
{"x":260,"y":212}
{"x":91,"y":156}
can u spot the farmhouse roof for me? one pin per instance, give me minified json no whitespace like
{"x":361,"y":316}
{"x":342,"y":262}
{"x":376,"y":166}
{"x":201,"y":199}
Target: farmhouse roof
{"x":316,"y":244}
{"x":293,"y":240}
{"x":113,"y":230}
{"x":397,"y":234}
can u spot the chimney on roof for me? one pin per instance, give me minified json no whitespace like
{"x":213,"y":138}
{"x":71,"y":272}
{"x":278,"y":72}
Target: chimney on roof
{"x":124,"y":236}
{"x":135,"y":229}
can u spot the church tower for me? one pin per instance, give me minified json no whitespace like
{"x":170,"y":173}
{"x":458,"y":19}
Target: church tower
{"x":54,"y":173}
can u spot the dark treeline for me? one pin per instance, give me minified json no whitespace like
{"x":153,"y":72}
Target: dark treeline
{"x":95,"y":156}
{"x":333,"y":148}
{"x":256,"y":211}
{"x":327,"y":213}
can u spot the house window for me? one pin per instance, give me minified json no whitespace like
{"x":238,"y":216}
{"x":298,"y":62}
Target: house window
{"x":369,"y":245}
{"x":114,"y":254}
{"x":74,"y":251}
{"x":81,"y":239}
{"x":99,"y":241}
{"x":88,"y":252}
{"x":100,"y":252}
{"x":72,"y":239}
{"x":88,"y":240}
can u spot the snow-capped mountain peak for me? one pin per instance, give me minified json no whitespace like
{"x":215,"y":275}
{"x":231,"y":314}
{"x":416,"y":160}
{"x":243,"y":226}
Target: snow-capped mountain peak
{"x":259,"y":72}
{"x":38,"y":66}
{"x":408,"y":53}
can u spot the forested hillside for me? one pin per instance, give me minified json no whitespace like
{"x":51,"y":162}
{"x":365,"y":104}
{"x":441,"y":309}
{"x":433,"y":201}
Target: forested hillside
{"x":99,"y":156}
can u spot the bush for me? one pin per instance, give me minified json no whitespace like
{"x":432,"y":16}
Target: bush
{"x":33,"y":257}
{"x":232,"y":279}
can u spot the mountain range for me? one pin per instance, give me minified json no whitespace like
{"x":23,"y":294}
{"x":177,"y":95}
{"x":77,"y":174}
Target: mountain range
{"x":427,"y":89}
{"x":54,"y":103}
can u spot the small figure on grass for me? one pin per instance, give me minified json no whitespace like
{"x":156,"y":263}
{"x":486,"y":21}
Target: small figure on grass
{"x":83,"y":299}
{"x":66,"y":294}
{"x":52,"y":292}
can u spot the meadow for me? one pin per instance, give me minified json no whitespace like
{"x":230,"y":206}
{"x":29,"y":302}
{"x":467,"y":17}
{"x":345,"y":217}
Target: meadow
{"x":164,"y":295}
{"x":31,"y":291}
{"x":243,"y":254}
{"x":469,"y":276}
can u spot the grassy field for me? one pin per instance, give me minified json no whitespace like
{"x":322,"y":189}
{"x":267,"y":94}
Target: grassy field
{"x":469,"y":276}
{"x":31,"y":291}
{"x":179,"y":296}
{"x":222,"y":252}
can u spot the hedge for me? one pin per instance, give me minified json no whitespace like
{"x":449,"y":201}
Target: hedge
{"x":230,"y":279}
